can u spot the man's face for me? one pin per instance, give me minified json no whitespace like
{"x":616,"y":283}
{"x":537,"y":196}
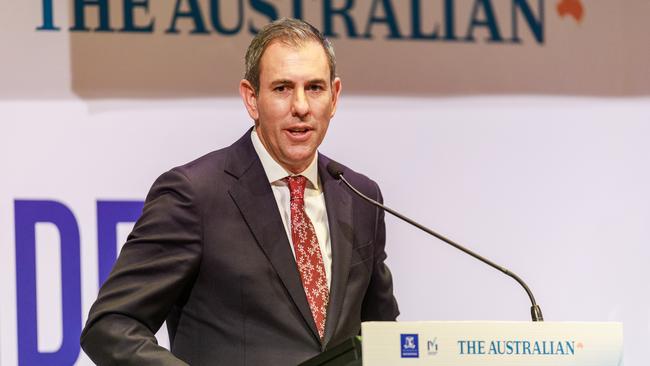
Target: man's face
{"x":295,"y":103}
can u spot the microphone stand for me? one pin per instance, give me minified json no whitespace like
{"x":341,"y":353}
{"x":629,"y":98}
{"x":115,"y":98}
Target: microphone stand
{"x":535,"y":310}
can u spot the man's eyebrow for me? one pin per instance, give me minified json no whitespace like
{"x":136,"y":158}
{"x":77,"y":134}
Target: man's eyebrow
{"x":281,"y":82}
{"x":317,"y":81}
{"x":289,"y":82}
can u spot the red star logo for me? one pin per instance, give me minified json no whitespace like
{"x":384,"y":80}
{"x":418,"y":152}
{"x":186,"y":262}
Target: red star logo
{"x":572,"y":8}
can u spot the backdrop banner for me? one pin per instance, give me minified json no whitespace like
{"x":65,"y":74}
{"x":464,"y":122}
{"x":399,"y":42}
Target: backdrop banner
{"x":126,"y":48}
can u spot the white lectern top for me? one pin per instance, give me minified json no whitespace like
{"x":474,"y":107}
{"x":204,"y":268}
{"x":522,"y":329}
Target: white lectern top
{"x":492,"y":343}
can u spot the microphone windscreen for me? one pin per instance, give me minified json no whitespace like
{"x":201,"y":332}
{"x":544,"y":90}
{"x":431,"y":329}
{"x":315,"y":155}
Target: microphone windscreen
{"x":335,"y":169}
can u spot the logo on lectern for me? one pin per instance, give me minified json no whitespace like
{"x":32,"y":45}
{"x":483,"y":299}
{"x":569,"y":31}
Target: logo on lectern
{"x":409,"y":346}
{"x":432,"y":347}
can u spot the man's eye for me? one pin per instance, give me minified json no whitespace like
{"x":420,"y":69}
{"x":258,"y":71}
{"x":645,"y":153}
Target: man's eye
{"x":315,"y":88}
{"x":280,"y":88}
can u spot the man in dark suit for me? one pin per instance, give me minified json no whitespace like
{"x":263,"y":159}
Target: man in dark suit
{"x":253,"y":254}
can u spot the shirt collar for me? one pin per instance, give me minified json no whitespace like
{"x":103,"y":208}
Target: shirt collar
{"x":275,"y":172}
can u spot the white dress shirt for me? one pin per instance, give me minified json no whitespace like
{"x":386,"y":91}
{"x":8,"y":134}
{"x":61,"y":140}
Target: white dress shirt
{"x":314,"y":200}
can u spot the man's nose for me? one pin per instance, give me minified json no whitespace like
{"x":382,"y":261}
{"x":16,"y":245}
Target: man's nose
{"x":300,"y":107}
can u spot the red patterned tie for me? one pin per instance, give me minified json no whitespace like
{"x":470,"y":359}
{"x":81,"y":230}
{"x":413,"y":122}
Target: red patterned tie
{"x":308,"y":254}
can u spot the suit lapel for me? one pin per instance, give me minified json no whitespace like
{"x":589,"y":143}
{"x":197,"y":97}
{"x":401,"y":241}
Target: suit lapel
{"x":253,"y":196}
{"x":339,"y":216}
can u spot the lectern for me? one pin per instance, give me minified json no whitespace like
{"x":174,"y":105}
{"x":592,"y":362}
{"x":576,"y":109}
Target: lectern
{"x":484,"y":343}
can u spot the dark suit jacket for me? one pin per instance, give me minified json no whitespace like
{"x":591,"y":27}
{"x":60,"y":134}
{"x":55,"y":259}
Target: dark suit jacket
{"x":211,"y":256}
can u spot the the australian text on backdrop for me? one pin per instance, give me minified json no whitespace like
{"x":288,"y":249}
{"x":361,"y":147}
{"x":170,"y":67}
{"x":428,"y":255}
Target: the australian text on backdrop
{"x":143,"y":48}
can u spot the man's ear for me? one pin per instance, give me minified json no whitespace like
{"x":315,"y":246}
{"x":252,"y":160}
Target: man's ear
{"x":249,"y":97}
{"x":336,"y":91}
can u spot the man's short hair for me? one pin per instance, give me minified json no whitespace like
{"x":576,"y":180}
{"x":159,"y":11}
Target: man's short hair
{"x":292,"y":32}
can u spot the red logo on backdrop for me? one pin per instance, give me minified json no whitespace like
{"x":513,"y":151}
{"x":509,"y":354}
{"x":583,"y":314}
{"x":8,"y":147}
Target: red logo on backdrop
{"x":571,"y":8}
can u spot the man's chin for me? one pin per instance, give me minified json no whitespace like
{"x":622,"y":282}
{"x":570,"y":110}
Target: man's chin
{"x":297,"y":163}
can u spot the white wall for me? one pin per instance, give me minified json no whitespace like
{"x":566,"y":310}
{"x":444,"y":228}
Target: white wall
{"x":553,"y":188}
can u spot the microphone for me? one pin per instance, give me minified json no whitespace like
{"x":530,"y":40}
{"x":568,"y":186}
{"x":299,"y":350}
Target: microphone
{"x":336,"y":170}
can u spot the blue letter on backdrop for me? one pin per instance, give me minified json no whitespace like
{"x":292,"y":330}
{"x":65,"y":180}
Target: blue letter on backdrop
{"x":215,"y":15}
{"x":194,"y":12}
{"x":27,"y":215}
{"x":129,"y":16}
{"x":48,"y":17}
{"x":490,"y":21}
{"x":389,"y":19}
{"x":109,"y":214}
{"x":328,"y":13}
{"x":263,"y":8}
{"x":536,"y":24}
{"x":80,"y":15}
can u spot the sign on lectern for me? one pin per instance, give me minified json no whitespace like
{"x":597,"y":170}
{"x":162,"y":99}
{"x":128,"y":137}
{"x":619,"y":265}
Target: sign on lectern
{"x":492,"y":344}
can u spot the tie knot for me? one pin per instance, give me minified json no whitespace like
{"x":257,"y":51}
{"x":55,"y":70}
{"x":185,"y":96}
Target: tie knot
{"x":297,"y":185}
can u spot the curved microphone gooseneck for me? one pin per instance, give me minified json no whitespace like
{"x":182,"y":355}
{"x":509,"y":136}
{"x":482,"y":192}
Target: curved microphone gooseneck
{"x":336,"y":171}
